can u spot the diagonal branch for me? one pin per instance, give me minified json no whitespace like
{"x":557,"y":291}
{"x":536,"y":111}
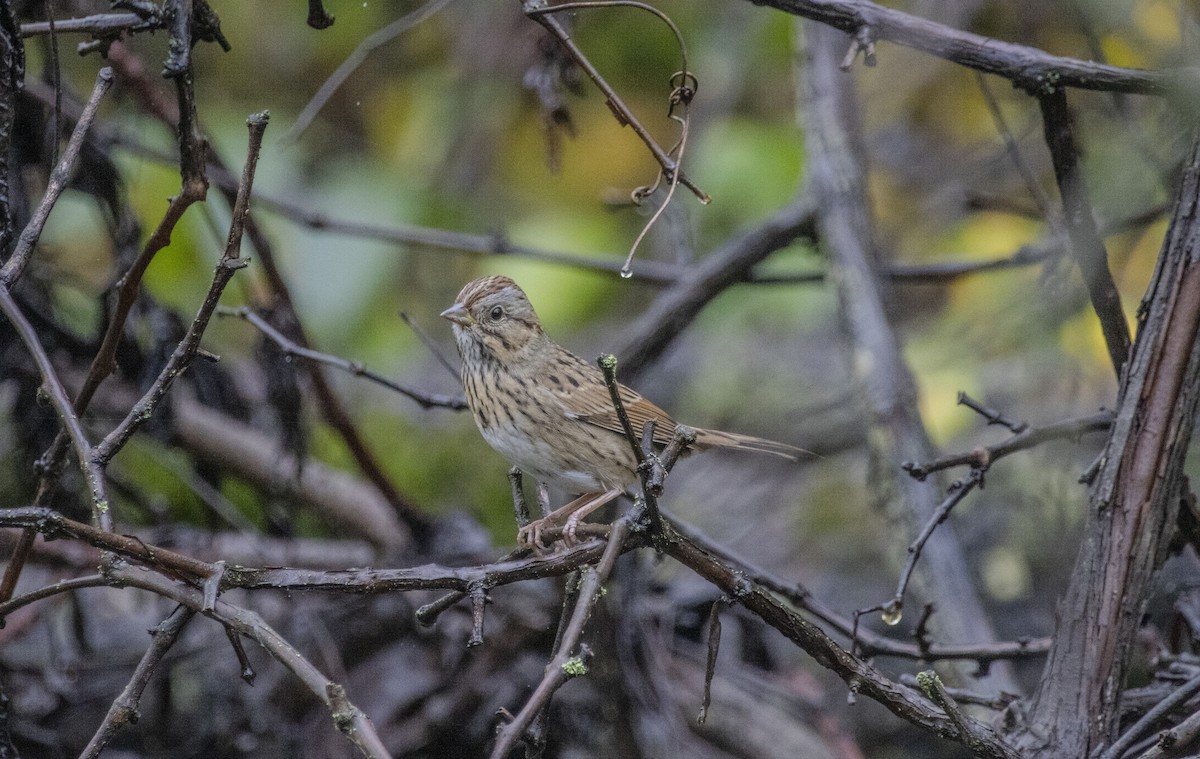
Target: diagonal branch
{"x":1026,"y":67}
{"x":542,"y":13}
{"x":185,"y":352}
{"x":1086,"y":243}
{"x":292,"y":348}
{"x":568,"y":661}
{"x":124,"y":709}
{"x":349,"y":720}
{"x":59,"y":178}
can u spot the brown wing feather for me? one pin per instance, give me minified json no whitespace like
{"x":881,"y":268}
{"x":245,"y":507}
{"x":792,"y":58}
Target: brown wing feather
{"x":592,"y":403}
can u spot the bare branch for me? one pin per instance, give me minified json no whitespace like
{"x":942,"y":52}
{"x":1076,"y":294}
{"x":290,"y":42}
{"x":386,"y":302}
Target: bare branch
{"x":1027,"y":67}
{"x":291,"y":348}
{"x":568,"y":661}
{"x":100,"y":25}
{"x":59,"y":178}
{"x":349,"y":720}
{"x":370,"y":44}
{"x":124,"y":709}
{"x":985,"y":456}
{"x":543,"y":14}
{"x":1086,"y":242}
{"x":183,"y":354}
{"x":1160,"y":710}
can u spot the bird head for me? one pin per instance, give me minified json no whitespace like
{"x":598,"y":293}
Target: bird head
{"x":494,"y":315}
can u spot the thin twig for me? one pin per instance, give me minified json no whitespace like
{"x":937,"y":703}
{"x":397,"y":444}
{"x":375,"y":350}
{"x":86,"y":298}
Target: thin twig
{"x":958,"y":491}
{"x":1160,"y":710}
{"x":185,"y":351}
{"x":991,"y":415}
{"x":124,"y":709}
{"x":985,"y":456}
{"x":59,"y":178}
{"x":356,"y":58}
{"x":1032,"y":185}
{"x":542,"y":14}
{"x":431,"y":346}
{"x":291,"y":348}
{"x":1086,"y":243}
{"x":568,"y":661}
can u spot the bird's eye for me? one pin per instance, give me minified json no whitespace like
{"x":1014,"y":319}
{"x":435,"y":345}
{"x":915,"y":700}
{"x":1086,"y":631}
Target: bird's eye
{"x":496,"y":314}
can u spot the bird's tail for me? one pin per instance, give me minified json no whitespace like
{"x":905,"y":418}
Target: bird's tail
{"x":717,"y":439}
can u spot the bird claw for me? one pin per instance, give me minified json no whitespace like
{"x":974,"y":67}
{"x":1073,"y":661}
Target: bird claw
{"x":568,"y":535}
{"x":530,"y":536}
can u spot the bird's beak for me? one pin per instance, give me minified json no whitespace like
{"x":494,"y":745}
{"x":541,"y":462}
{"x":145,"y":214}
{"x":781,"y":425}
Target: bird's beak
{"x":457,"y":314}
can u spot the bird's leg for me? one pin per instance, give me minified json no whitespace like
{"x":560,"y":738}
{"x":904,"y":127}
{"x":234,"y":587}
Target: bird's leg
{"x":530,"y":536}
{"x":585,"y":509}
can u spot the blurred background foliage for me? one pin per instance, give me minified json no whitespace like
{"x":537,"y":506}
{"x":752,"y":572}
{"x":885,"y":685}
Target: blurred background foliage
{"x":436,"y":129}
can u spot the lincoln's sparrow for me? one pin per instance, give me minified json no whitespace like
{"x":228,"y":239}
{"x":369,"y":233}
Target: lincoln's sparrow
{"x":549,"y":412}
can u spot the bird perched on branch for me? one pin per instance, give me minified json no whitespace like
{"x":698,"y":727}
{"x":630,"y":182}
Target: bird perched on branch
{"x":550,"y":413}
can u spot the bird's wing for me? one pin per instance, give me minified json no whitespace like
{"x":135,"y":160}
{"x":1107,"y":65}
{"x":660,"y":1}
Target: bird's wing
{"x":591,"y":402}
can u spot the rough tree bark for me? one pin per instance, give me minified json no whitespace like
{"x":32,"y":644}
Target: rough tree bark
{"x":1133,"y":504}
